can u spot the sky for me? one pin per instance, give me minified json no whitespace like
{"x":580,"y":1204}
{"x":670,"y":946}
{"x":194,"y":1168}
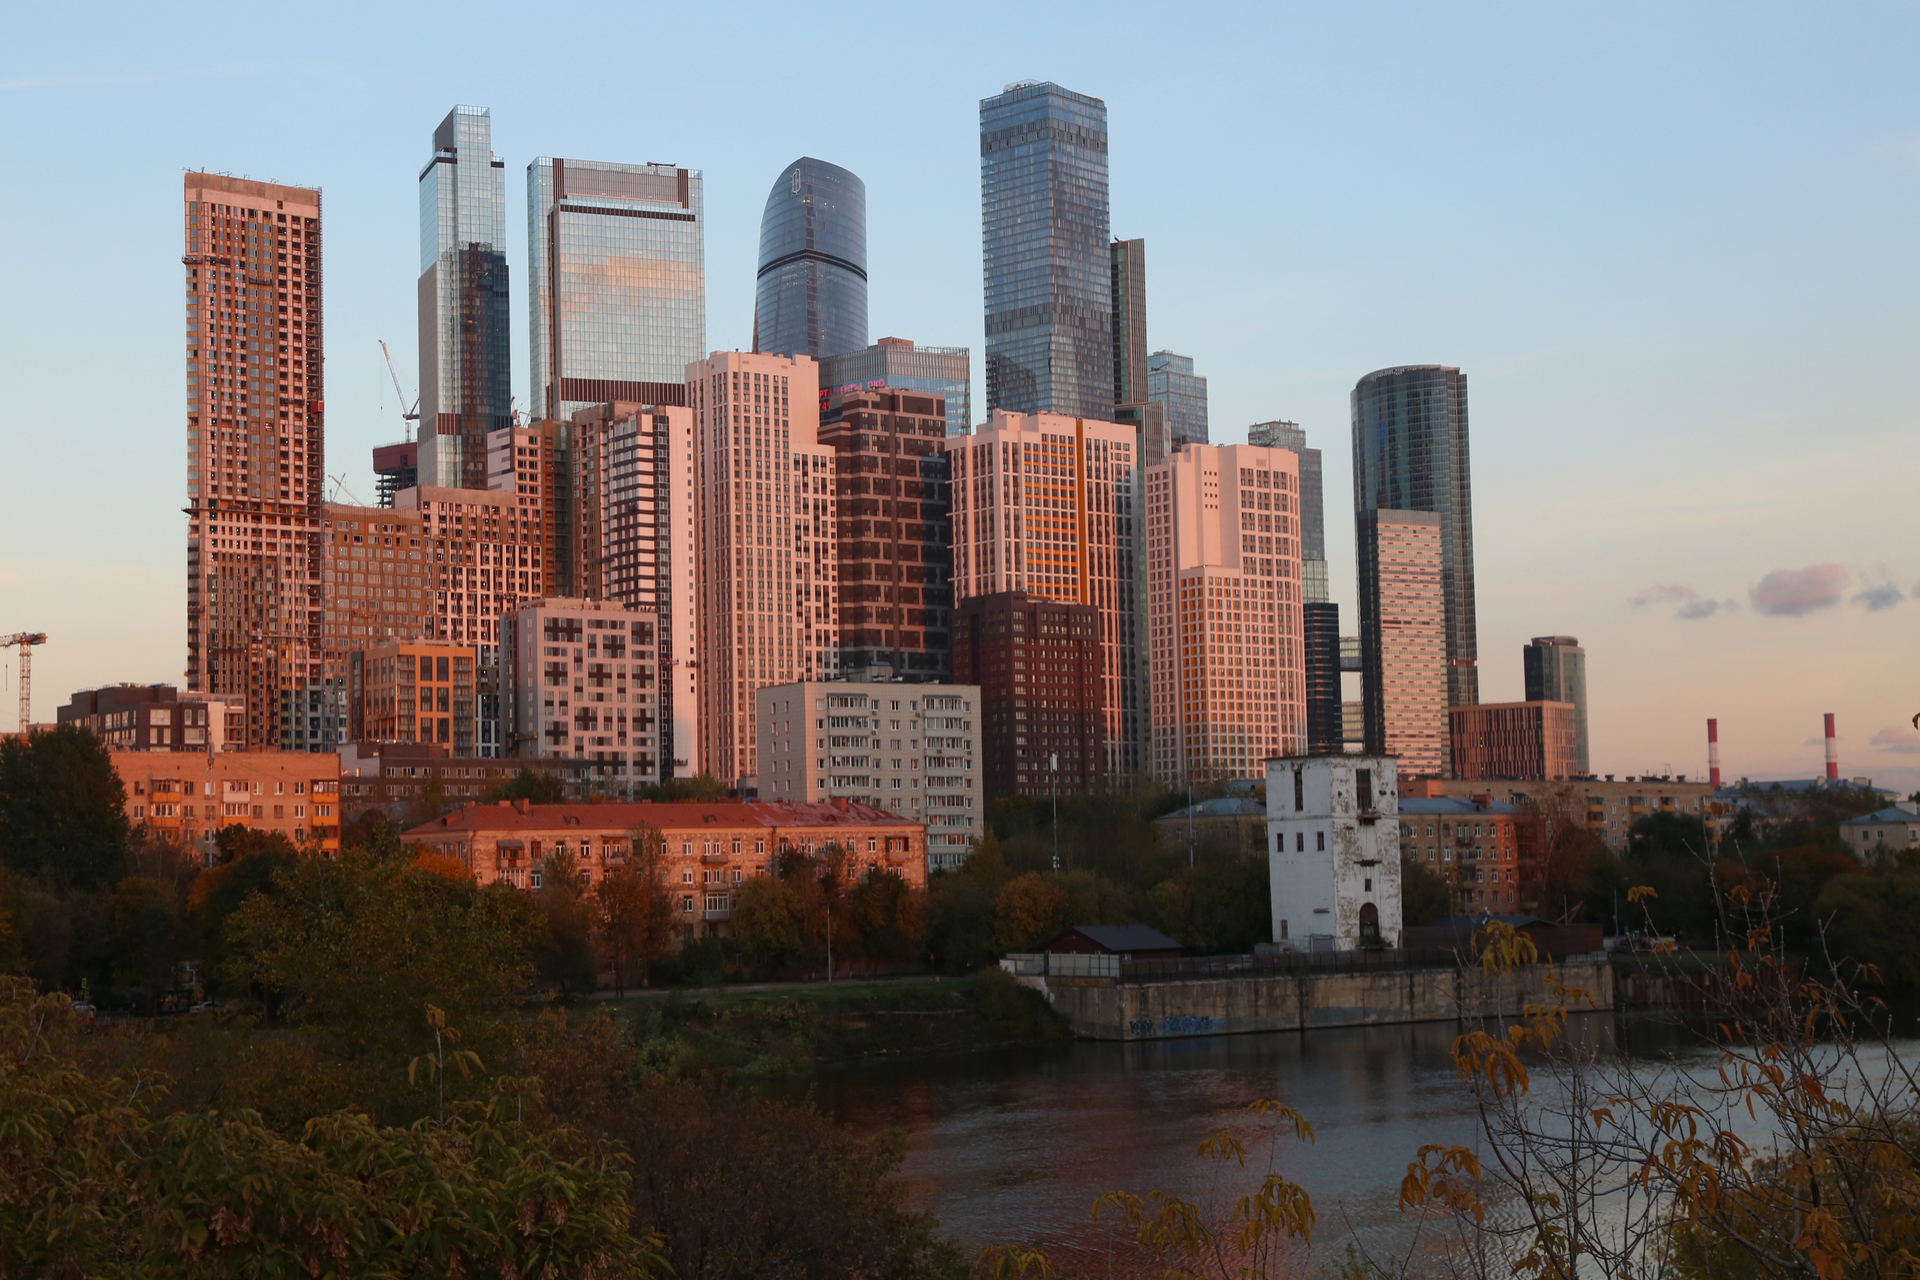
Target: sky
{"x":1672,"y":246}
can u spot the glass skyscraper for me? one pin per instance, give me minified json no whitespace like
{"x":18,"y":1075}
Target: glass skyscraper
{"x":1172,"y":382}
{"x":1049,"y":270}
{"x":1410,"y":454}
{"x":465,"y":375}
{"x":897,"y":363}
{"x":1556,"y":671}
{"x":1129,"y":258}
{"x":1313,"y":509}
{"x":617,"y":258}
{"x":811,"y":297}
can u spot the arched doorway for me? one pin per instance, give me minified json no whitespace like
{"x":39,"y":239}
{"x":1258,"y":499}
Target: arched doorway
{"x":1369,"y":923}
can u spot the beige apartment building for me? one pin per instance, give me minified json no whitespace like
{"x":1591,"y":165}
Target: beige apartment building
{"x":581,"y":681}
{"x":255,"y":445}
{"x":1608,"y":808}
{"x":911,"y":749}
{"x":1226,"y":643}
{"x":1404,"y":644}
{"x":1046,"y":504}
{"x":187,"y":796}
{"x":765,"y":595}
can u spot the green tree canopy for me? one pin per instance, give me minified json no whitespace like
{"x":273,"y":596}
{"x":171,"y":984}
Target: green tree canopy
{"x":538,"y":788}
{"x":62,"y":808}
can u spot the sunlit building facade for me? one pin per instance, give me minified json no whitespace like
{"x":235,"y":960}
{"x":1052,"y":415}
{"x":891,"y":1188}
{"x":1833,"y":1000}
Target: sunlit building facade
{"x":1403,"y":639}
{"x":897,"y":363}
{"x":810,"y":298}
{"x":1313,"y":509}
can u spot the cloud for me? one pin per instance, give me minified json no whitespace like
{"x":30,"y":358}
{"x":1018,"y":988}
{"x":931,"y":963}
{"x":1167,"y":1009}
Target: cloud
{"x":1884,"y":596}
{"x":1899,"y":737}
{"x":1792,"y":592}
{"x":1693,"y":606}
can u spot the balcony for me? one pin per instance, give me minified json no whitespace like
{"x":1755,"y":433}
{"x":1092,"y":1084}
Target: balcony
{"x":716,"y":913}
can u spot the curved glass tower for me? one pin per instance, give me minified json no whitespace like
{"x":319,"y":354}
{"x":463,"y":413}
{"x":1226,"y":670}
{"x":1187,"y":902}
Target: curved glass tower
{"x":812,"y":293}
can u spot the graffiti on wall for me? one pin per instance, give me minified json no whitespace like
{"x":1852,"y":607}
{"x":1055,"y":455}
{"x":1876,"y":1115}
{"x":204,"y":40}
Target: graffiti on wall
{"x":1174,"y":1024}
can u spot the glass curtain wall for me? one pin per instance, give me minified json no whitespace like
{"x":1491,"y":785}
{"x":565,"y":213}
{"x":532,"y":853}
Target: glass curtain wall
{"x":811,"y":296}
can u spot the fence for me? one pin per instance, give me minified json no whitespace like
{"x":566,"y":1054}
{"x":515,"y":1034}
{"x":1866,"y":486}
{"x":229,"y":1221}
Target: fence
{"x":1285,"y":964}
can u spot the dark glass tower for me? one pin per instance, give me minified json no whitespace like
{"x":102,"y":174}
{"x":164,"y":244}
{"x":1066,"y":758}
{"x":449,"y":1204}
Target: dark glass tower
{"x":1556,"y":671}
{"x":1410,"y":454}
{"x":1172,"y":382}
{"x":465,"y":377}
{"x":1321,"y":623}
{"x":811,"y":299}
{"x":1048,"y":265}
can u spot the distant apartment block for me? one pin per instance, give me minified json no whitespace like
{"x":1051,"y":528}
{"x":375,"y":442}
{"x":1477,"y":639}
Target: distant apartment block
{"x":414,"y":691}
{"x":1608,"y":808}
{"x":189,"y":796}
{"x":1403,"y":639}
{"x":1037,"y":664}
{"x":1519,"y":740}
{"x":395,"y":778}
{"x":154,"y":717}
{"x":580,"y":680}
{"x":912,"y":749}
{"x":395,"y":467}
{"x":1555,"y":668}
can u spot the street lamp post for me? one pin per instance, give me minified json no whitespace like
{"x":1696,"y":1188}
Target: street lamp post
{"x":1053,"y":774}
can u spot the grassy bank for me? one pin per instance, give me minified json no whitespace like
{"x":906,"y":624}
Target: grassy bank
{"x":796,"y":1031}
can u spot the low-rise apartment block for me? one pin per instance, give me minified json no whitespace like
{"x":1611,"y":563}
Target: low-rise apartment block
{"x":187,"y":796}
{"x":910,"y":749}
{"x":414,"y":691}
{"x":1488,"y":851}
{"x":395,"y":778}
{"x":1606,"y":807}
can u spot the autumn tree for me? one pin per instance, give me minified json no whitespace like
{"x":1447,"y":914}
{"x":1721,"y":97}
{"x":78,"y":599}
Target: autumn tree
{"x":635,"y":909}
{"x":565,"y":953}
{"x":1028,"y":910}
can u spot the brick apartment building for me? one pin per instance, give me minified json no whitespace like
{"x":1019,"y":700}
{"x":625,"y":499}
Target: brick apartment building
{"x":1037,"y":664}
{"x":187,"y":796}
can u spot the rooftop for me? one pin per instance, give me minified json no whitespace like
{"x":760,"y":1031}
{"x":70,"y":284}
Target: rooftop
{"x":1453,"y":806}
{"x":602,"y":817}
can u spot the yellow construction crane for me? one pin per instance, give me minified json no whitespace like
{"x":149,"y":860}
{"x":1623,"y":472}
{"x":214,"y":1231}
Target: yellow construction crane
{"x":406,"y":414}
{"x":25,"y":640}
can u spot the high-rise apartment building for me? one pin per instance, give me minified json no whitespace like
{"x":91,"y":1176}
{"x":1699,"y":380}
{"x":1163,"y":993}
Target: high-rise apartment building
{"x":1520,"y":740}
{"x":1321,"y":623}
{"x":891,"y":507}
{"x":1223,"y":587}
{"x":766,"y":597}
{"x":1556,"y":671}
{"x":414,"y":691}
{"x":1313,"y":509}
{"x":256,"y":454}
{"x":1037,"y":663}
{"x":580,"y":680}
{"x":811,"y":295}
{"x":911,"y":749}
{"x":1171,"y":382}
{"x":465,"y":376}
{"x":1049,"y":271}
{"x":1410,"y":454}
{"x":897,"y":363}
{"x":1047,"y":504}
{"x":617,"y":294}
{"x":1403,"y":639}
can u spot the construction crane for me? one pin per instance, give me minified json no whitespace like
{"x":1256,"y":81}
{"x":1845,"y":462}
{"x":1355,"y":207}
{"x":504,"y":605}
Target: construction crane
{"x":25,"y":640}
{"x":406,"y":415}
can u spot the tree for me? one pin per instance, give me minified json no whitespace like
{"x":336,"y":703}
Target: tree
{"x":430,"y":802}
{"x":887,"y":917}
{"x":636,"y":913}
{"x":1423,"y":894}
{"x":702,"y":788}
{"x":565,"y":952}
{"x":528,"y":785}
{"x":62,"y":808}
{"x":765,"y":922}
{"x":1028,"y":910}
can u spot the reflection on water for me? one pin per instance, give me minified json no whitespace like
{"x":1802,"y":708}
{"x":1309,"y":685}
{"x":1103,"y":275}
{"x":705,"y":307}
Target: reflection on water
{"x":1014,"y":1147}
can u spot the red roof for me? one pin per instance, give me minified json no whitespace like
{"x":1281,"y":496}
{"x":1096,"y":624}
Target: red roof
{"x":678,"y":817}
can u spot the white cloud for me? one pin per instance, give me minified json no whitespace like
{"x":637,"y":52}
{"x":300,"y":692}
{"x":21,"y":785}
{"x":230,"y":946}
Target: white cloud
{"x":1792,"y":592}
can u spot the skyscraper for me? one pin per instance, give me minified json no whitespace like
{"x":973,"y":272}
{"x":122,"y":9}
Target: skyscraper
{"x":1049,"y":271}
{"x":898,"y":364}
{"x":1045,"y":504}
{"x":1223,"y":578}
{"x":1129,"y":260}
{"x":1172,"y":382}
{"x":1410,"y":454}
{"x":1321,"y":624}
{"x":1556,"y":671}
{"x":766,"y":598}
{"x":465,"y":375}
{"x":811,"y":297}
{"x":617,"y":296}
{"x":1313,"y":511}
{"x":256,"y":453}
{"x":1403,"y":644}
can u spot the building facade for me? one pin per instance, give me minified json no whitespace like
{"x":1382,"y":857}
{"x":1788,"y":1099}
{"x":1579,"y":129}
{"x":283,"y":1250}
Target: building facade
{"x":1049,"y":505}
{"x":1555,"y":669}
{"x":910,"y":749}
{"x":580,"y":680}
{"x":414,"y":691}
{"x":891,"y":508}
{"x":1320,"y":654}
{"x":616,"y":274}
{"x":1227,"y":645}
{"x":1334,"y":852}
{"x":395,"y":467}
{"x":154,"y":717}
{"x":256,"y":449}
{"x":1313,"y":508}
{"x":1488,"y":851}
{"x":1403,"y":639}
{"x":1048,"y":267}
{"x":1037,"y":664}
{"x":1128,"y":259}
{"x":398,"y":779}
{"x":1410,"y":454}
{"x":899,"y":365}
{"x":704,"y":852}
{"x":810,"y":298}
{"x":1172,"y":383}
{"x":1603,"y":806}
{"x":1514,"y":740}
{"x":465,"y":351}
{"x":767,"y":596}
{"x":187,"y":797}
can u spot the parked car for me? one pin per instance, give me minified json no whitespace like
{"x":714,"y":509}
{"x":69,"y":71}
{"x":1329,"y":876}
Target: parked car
{"x":87,"y":1014}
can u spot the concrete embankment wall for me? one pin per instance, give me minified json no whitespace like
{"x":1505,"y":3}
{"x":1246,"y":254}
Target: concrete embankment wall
{"x":1105,"y":1009}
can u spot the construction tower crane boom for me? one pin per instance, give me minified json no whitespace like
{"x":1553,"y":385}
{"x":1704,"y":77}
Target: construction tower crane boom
{"x":406,"y":415}
{"x":25,"y":640}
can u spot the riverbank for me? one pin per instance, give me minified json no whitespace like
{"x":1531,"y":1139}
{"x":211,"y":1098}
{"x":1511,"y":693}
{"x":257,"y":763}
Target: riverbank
{"x":770,"y":1034}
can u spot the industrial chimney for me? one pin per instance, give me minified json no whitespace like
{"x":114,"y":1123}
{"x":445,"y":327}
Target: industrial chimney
{"x":1713,"y":753}
{"x":1833,"y":756}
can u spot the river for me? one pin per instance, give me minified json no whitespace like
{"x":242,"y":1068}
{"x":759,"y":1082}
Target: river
{"x":1014,"y":1147}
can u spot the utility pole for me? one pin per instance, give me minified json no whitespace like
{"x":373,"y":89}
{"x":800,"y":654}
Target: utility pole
{"x":25,"y":640}
{"x":1053,"y":772}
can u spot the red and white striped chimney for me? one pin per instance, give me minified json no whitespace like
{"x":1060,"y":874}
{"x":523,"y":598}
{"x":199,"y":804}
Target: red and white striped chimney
{"x":1713,"y":753}
{"x":1833,"y":756}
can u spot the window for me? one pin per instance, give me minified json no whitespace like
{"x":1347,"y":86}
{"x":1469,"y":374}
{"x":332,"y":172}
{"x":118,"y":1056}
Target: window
{"x":1299,"y":842}
{"x":1299,"y":790}
{"x":1320,"y":841}
{"x":1363,"y":788}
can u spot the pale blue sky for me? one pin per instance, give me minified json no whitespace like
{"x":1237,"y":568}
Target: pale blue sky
{"x":1672,"y":246}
